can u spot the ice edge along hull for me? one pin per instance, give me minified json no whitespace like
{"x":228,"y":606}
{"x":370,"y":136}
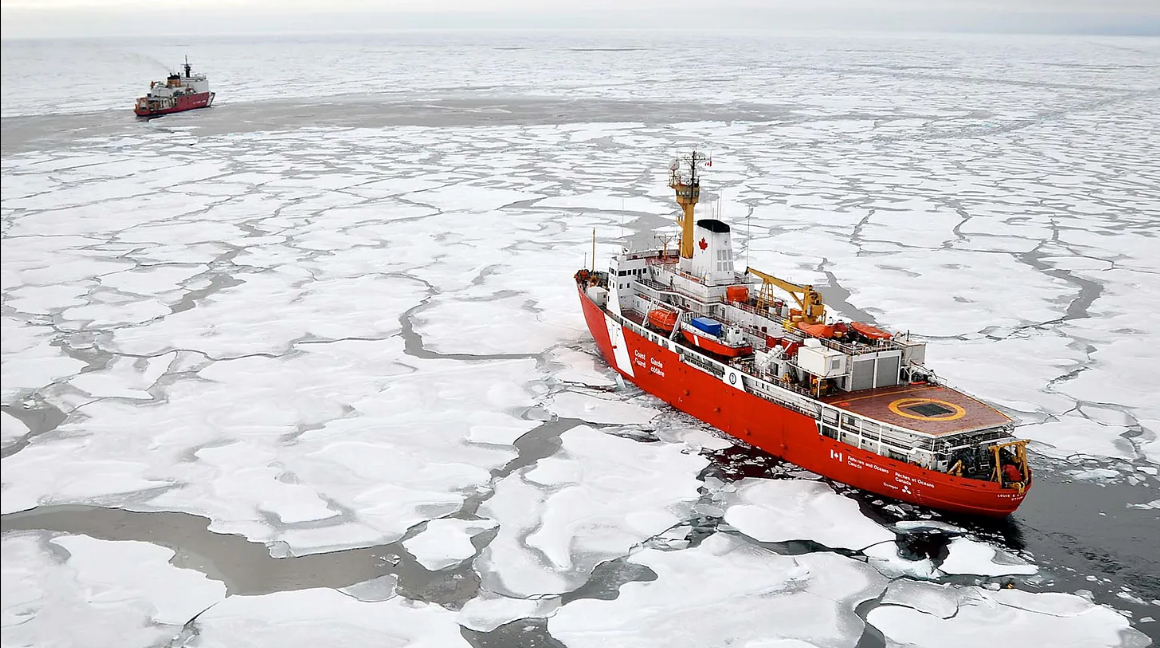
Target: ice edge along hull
{"x":782,"y":432}
{"x":187,"y":102}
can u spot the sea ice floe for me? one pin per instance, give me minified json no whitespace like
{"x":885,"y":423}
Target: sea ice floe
{"x":353,"y":436}
{"x":12,"y":428}
{"x":937,"y":599}
{"x":1073,"y":434}
{"x":779,"y":510}
{"x":1008,"y":617}
{"x":270,"y":310}
{"x":106,"y":311}
{"x":76,"y":590}
{"x":472,"y":198}
{"x":603,"y":200}
{"x":592,"y":501}
{"x":125,"y":377}
{"x":599,"y":408}
{"x":946,"y":301}
{"x":452,"y":325}
{"x":973,"y":557}
{"x":31,"y":361}
{"x":42,"y":300}
{"x":889,"y":561}
{"x":487,"y":611}
{"x":700,"y":594}
{"x":325,"y":617}
{"x":481,"y":319}
{"x":155,"y":280}
{"x":446,"y":542}
{"x":581,"y":368}
{"x":376,"y":589}
{"x":1042,"y":356}
{"x":919,"y":224}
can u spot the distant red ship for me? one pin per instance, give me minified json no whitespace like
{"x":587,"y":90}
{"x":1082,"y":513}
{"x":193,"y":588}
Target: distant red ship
{"x":846,"y":400}
{"x":176,"y":94}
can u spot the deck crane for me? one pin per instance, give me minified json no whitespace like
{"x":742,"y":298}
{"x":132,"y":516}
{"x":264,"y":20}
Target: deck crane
{"x":810,"y":301}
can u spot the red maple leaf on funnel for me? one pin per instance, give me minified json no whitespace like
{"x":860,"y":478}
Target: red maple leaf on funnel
{"x":704,"y":244}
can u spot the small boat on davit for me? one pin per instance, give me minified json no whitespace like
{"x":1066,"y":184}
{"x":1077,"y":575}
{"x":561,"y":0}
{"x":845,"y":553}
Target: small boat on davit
{"x":847,"y":400}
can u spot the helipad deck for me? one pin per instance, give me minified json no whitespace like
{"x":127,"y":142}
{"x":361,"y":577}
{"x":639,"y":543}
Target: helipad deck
{"x":923,"y":408}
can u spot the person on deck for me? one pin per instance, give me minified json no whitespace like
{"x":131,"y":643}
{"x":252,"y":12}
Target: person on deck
{"x":1012,"y":474}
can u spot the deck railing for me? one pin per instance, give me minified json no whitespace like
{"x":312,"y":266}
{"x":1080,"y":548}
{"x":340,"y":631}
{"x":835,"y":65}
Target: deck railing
{"x":863,"y":430}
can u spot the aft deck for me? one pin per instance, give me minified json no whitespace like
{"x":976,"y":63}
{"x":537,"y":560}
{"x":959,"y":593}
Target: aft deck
{"x":929,"y":409}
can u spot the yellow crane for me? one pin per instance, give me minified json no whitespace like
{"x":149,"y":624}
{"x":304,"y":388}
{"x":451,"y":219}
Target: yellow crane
{"x":808,"y":299}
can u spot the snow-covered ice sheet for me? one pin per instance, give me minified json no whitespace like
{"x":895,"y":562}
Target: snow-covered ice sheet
{"x":324,"y":617}
{"x":726,"y":592}
{"x":940,"y":600}
{"x":777,"y":510}
{"x":446,"y":542}
{"x":268,"y":311}
{"x":599,"y":408}
{"x":561,"y":518}
{"x":126,"y":378}
{"x":1008,"y":617}
{"x":605,"y":201}
{"x":351,"y":437}
{"x":973,"y":557}
{"x":31,"y":361}
{"x":889,"y":561}
{"x":488,"y":610}
{"x":76,"y":590}
{"x":12,"y":428}
{"x":581,"y":368}
{"x":464,"y":197}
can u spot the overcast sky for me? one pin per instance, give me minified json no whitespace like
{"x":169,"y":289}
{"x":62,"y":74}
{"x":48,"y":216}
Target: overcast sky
{"x":71,"y":18}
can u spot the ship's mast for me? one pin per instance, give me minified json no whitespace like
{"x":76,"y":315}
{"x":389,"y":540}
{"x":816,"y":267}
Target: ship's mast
{"x":688,"y":193}
{"x":187,"y":67}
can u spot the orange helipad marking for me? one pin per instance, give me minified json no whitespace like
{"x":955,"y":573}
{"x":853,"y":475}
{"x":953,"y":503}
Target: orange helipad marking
{"x":897,"y":406}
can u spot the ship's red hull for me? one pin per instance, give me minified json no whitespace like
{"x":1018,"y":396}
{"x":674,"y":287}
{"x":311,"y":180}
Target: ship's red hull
{"x":785,"y":433}
{"x":182,"y":103}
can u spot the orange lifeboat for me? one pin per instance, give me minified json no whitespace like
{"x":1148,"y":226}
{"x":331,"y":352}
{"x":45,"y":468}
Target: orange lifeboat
{"x":663,"y":319}
{"x":871,"y":332}
{"x":737,"y":294}
{"x":817,"y":330}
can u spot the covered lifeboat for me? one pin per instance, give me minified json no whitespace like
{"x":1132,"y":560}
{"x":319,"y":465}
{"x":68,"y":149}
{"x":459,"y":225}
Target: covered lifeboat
{"x":663,"y":319}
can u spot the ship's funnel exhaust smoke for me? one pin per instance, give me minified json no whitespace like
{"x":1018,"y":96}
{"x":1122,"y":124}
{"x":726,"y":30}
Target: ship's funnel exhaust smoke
{"x":147,"y":60}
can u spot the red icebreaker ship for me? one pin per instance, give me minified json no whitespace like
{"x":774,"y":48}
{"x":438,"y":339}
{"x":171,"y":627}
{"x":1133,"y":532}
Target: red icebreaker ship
{"x":176,"y":94}
{"x":846,"y":400}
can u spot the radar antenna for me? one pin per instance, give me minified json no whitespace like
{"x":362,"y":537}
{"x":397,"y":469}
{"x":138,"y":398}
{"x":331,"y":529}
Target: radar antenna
{"x":665,"y":239}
